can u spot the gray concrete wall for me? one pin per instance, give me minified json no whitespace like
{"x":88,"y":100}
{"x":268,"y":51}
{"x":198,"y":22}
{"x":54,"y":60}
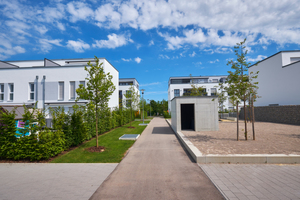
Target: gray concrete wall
{"x":206,"y":112}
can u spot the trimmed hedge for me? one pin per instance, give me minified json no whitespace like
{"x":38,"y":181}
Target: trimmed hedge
{"x":69,"y":129}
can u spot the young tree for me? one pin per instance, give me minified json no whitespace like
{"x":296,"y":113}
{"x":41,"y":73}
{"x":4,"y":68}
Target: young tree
{"x":252,"y":92}
{"x":98,"y":90}
{"x":196,"y":91}
{"x":238,"y":80}
{"x":132,"y":101}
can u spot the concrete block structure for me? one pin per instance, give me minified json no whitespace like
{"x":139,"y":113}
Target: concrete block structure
{"x":195,"y":113}
{"x":278,"y":79}
{"x":51,"y":83}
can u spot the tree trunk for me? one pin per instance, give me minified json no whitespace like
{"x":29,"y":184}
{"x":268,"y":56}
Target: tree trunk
{"x":237,"y":120}
{"x":96,"y":126}
{"x":245,"y":112}
{"x":253,"y":119}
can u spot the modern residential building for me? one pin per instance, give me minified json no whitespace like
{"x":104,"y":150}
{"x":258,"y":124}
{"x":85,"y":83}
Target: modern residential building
{"x":278,"y":79}
{"x":124,"y":86}
{"x":51,"y":83}
{"x":180,"y":86}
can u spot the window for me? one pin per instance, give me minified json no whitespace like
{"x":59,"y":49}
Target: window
{"x":1,"y":92}
{"x":126,"y":83}
{"x":11,"y":92}
{"x":60,"y":90}
{"x":31,"y":91}
{"x":82,"y":83}
{"x":213,"y":91}
{"x":187,"y":92}
{"x":128,"y":92}
{"x":72,"y":89}
{"x":128,"y":103}
{"x":215,"y":80}
{"x":176,"y":93}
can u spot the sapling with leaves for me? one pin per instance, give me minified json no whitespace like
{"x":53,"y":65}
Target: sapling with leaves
{"x":98,"y":89}
{"x":132,"y":101}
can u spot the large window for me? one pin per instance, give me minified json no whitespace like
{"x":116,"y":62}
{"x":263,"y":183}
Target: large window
{"x":11,"y":92}
{"x":82,"y":83}
{"x":126,"y":83}
{"x":31,"y":91}
{"x":60,"y":90}
{"x":1,"y":92}
{"x":213,"y":91}
{"x":176,"y":93}
{"x":72,"y":90}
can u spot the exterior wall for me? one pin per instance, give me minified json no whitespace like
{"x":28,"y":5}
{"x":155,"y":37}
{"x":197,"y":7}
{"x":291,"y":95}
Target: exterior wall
{"x":21,"y":77}
{"x":123,"y":88}
{"x":208,"y":87}
{"x":278,"y":83}
{"x":276,"y":114}
{"x":206,"y":113}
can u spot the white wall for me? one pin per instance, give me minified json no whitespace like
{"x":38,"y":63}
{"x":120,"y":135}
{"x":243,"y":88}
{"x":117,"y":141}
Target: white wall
{"x":127,"y":87}
{"x":21,"y":77}
{"x":278,"y":84}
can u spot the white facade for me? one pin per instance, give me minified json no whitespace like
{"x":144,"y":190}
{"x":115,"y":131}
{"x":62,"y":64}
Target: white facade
{"x":278,"y":79}
{"x":51,"y":83}
{"x":124,"y":85}
{"x":179,"y":85}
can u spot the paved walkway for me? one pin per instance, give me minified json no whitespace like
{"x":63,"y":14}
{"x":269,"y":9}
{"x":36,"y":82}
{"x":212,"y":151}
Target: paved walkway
{"x":250,"y":181}
{"x":30,"y":181}
{"x":157,"y":167}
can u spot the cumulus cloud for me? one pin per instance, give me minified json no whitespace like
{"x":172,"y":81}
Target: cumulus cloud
{"x":193,"y":54}
{"x":7,"y":52}
{"x":214,"y":61}
{"x":46,"y":44}
{"x":126,"y":60}
{"x":137,"y":59}
{"x":258,"y":58}
{"x":78,"y":46}
{"x":113,"y":41}
{"x":79,"y":11}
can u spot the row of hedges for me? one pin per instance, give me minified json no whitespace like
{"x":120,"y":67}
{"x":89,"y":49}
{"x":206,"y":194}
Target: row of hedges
{"x":68,"y":129}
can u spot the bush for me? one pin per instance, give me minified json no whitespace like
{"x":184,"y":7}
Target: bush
{"x":166,"y":114}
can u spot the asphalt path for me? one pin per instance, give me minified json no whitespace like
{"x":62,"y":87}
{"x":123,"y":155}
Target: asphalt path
{"x":157,"y":167}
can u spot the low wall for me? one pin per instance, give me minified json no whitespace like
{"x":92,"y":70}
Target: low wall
{"x":276,"y":114}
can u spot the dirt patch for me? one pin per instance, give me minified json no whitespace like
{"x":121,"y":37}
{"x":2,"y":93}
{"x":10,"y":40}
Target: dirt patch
{"x":94,"y":149}
{"x":130,"y":127}
{"x":271,"y":138}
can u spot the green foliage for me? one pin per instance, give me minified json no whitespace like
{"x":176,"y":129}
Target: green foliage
{"x":132,"y":101}
{"x":99,"y":89}
{"x":167,"y":114}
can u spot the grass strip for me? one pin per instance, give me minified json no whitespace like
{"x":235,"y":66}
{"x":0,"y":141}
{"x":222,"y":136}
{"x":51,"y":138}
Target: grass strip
{"x":114,"y":152}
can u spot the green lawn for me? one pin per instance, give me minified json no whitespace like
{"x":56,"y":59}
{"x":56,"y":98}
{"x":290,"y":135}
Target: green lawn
{"x":114,"y":152}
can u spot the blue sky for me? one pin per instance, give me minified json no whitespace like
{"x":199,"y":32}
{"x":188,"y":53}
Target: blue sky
{"x":150,"y":40}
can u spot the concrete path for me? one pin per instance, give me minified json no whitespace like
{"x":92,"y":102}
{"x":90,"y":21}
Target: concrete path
{"x":29,"y":181}
{"x":157,"y":167}
{"x":255,"y":181}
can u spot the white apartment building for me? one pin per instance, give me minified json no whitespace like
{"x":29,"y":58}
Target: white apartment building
{"x":51,"y":83}
{"x":124,"y":86}
{"x":178,"y":86}
{"x":278,"y":79}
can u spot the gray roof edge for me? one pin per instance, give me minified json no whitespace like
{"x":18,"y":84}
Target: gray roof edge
{"x":291,"y":64}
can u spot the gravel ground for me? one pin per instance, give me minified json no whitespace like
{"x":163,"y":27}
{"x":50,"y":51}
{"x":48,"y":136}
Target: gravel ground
{"x":271,"y":138}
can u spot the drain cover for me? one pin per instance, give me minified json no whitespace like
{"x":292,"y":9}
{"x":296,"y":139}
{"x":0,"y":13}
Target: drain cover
{"x":129,"y":137}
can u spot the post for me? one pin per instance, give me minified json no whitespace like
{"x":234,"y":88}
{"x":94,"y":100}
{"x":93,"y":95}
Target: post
{"x":36,"y":91}
{"x":150,"y":106}
{"x":143,"y":103}
{"x":44,"y":77}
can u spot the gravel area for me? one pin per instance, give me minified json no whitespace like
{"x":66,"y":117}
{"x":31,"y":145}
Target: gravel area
{"x":271,"y":138}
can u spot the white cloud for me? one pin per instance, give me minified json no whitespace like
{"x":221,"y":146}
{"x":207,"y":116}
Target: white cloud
{"x":214,"y":61}
{"x":41,"y":29}
{"x":79,"y":11}
{"x":113,"y":41}
{"x":78,"y":46}
{"x":46,"y":45}
{"x":258,"y":58}
{"x":137,"y":59}
{"x":126,"y":60}
{"x":7,"y":52}
{"x":151,"y":43}
{"x":193,"y":54}
{"x":60,"y":26}
{"x":106,"y":16}
{"x":163,"y":56}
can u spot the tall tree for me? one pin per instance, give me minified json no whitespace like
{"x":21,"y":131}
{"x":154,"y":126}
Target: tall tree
{"x":238,"y":80}
{"x":99,"y":88}
{"x":132,"y":101}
